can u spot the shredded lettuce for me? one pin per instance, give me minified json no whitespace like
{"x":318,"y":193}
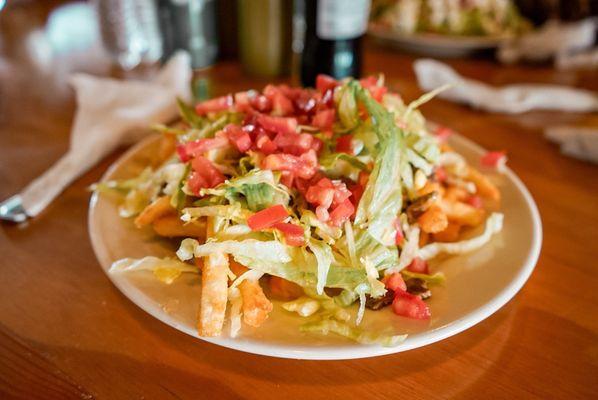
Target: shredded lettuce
{"x":267,"y":251}
{"x":165,"y":269}
{"x":304,"y":306}
{"x":233,"y":212}
{"x":436,"y":279}
{"x":324,"y":259}
{"x":327,"y":326}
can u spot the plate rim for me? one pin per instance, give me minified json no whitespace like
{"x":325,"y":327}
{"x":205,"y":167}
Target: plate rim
{"x":356,"y":351}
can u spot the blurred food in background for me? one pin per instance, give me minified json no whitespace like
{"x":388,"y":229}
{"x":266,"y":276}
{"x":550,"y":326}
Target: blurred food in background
{"x":451,"y":17}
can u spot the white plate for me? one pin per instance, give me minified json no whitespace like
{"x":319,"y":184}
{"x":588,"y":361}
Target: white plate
{"x":434,"y":44}
{"x":477,"y":284}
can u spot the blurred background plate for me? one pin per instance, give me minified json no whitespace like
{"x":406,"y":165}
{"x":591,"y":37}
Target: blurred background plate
{"x":433,"y":44}
{"x":477,"y":284}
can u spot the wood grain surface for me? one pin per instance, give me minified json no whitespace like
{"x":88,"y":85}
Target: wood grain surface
{"x":67,"y":332}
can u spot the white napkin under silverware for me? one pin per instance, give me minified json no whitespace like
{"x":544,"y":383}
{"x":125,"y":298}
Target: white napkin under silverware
{"x":578,"y":142}
{"x":108,"y":111}
{"x":555,"y":39}
{"x":511,"y":99}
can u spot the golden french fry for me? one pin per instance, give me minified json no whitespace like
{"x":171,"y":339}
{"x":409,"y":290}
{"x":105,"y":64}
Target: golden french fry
{"x":167,"y":147}
{"x":450,"y":234}
{"x":285,"y":290}
{"x":433,"y":220}
{"x":483,"y":185}
{"x":430,"y":187}
{"x":158,"y":208}
{"x":461,"y":213}
{"x":256,"y":305}
{"x":172,"y":226}
{"x":214,"y":291}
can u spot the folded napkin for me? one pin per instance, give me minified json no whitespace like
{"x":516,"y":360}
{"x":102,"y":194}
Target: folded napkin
{"x":510,"y":99}
{"x":560,"y":40}
{"x":578,"y":142}
{"x":108,"y":112}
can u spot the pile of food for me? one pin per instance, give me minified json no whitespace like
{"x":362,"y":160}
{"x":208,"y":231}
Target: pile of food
{"x":451,"y":17}
{"x":320,"y":198}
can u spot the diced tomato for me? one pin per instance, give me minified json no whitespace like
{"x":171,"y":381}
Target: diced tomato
{"x":440,"y":174}
{"x":395,"y":282}
{"x":294,"y":143}
{"x":475,"y":201}
{"x":187,"y":151}
{"x":324,"y":119}
{"x":344,"y":144}
{"x":267,"y":218}
{"x":325,"y":82}
{"x":443,"y":133}
{"x":243,"y":101}
{"x":264,"y":144}
{"x":320,"y":195}
{"x":281,"y":105}
{"x":410,"y":306}
{"x":399,"y":237}
{"x":494,"y":159}
{"x":238,"y":137}
{"x":371,"y":84}
{"x":342,"y":213}
{"x":277,"y":124}
{"x":293,"y":234}
{"x":419,"y":266}
{"x":317,"y":144}
{"x":356,"y":192}
{"x":213,"y":105}
{"x":287,"y":178}
{"x":306,"y":102}
{"x":204,"y":175}
{"x":322,"y":214}
{"x":261,"y":103}
{"x":328,"y":98}
{"x":304,"y":166}
{"x":363,"y":178}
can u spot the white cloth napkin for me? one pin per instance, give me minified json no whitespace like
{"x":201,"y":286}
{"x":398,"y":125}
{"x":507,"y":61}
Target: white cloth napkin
{"x":554,"y":39}
{"x":510,"y":99}
{"x":578,"y":142}
{"x":108,"y":112}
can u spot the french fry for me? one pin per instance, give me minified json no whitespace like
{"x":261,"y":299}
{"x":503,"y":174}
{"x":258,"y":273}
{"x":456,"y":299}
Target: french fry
{"x":450,"y":234}
{"x":172,"y":226}
{"x":461,"y":213}
{"x":483,"y":185}
{"x":158,"y":208}
{"x":433,"y":220}
{"x":214,"y":291}
{"x":256,"y":305}
{"x":285,"y":290}
{"x":167,"y":148}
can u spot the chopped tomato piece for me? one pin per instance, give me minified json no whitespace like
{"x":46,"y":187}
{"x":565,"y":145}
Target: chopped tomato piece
{"x":267,"y":218}
{"x":277,"y":124}
{"x":189,"y":150}
{"x":395,"y":282}
{"x":324,"y":119}
{"x":204,"y":175}
{"x":363,"y":178}
{"x":304,"y":166}
{"x":371,"y":84}
{"x":264,"y":144}
{"x":443,"y":133}
{"x":342,"y":213}
{"x":243,"y":101}
{"x":419,"y":266}
{"x":475,"y":201}
{"x":287,"y":178}
{"x":325,"y":82}
{"x":356,"y":192}
{"x":494,"y":159}
{"x":306,"y":102}
{"x":293,"y":234}
{"x":321,"y":194}
{"x":294,"y":143}
{"x":344,"y":144}
{"x":281,"y":105}
{"x":238,"y":137}
{"x":440,"y":174}
{"x":410,"y":306}
{"x":399,"y":236}
{"x":261,"y":103}
{"x":213,"y":105}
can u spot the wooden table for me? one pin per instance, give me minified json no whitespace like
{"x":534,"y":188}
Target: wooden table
{"x":67,"y":332}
